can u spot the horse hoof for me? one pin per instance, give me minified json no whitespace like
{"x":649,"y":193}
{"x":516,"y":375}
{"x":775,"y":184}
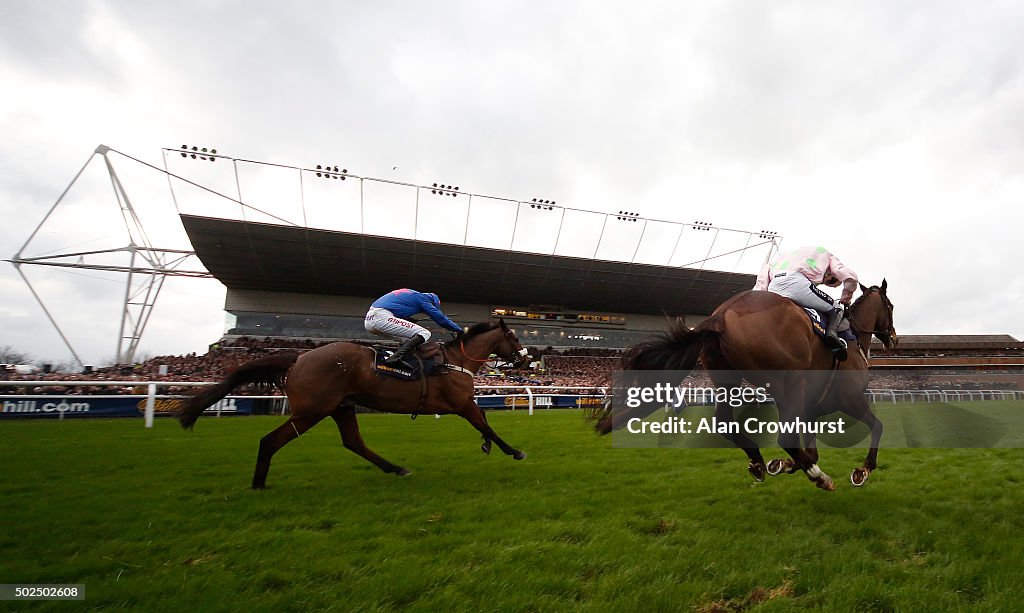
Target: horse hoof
{"x":859,"y":476}
{"x":757,"y":471}
{"x":826,"y":483}
{"x":403,"y":472}
{"x":519,"y":455}
{"x":486,"y":449}
{"x":776,"y":466}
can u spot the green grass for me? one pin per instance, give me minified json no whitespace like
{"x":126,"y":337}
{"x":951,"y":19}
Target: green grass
{"x":163,"y":520}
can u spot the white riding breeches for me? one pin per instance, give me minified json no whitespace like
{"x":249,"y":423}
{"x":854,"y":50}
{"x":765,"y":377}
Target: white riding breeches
{"x":385,"y":323}
{"x":800,"y":290}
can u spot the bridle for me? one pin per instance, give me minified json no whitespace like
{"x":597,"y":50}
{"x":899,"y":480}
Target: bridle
{"x":883,"y":335}
{"x":522,"y":352}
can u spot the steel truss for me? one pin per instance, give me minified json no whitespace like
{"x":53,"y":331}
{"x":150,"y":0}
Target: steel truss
{"x":147,"y":269}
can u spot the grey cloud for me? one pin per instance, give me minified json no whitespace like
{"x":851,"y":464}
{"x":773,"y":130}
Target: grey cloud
{"x":762,"y":114}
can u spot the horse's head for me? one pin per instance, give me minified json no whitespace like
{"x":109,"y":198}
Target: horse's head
{"x":872,"y":312}
{"x":490,"y":338}
{"x":509,"y":348}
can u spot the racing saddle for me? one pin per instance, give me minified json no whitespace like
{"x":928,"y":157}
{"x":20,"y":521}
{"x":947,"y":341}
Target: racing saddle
{"x":819,"y":322}
{"x":420,"y":363}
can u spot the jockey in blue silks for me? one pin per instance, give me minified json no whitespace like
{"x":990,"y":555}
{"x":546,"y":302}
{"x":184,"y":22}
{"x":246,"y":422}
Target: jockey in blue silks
{"x":389,"y":316}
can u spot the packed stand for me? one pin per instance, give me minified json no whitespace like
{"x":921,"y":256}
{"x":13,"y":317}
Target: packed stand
{"x":575,"y":368}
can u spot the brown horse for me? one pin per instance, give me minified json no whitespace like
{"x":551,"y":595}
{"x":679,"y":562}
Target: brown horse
{"x":331,"y":381}
{"x":768,"y":340}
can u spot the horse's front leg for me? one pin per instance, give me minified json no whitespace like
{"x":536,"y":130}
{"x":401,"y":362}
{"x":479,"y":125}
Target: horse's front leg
{"x":475,"y":416}
{"x":860,"y":409}
{"x":486,"y":445}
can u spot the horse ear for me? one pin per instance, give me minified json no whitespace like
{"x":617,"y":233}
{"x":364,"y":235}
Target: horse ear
{"x":862,"y":288}
{"x":884,"y":285}
{"x":501,"y":322}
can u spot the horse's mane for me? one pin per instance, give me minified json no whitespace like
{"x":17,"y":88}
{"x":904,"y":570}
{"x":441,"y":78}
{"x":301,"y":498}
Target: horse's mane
{"x":863,"y":295}
{"x":480,"y":328}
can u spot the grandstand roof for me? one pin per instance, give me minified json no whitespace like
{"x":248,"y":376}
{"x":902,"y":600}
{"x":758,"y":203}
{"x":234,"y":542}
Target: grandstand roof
{"x":248,"y":255}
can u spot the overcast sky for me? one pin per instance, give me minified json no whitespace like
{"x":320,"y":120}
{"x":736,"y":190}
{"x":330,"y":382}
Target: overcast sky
{"x":890,"y":132}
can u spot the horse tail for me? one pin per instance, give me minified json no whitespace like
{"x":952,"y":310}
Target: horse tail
{"x":268,"y":372}
{"x":677,"y":349}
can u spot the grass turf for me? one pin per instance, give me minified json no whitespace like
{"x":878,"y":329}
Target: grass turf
{"x":164,"y":520}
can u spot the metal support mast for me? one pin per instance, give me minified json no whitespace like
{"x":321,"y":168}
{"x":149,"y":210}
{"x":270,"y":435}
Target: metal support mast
{"x":148,"y":267}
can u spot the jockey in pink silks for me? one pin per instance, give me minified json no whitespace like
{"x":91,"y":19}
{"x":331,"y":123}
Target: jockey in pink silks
{"x":796,"y":274}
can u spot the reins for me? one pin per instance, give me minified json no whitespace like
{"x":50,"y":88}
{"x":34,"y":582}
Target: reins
{"x":835,"y":363}
{"x":446,"y":364}
{"x":462,"y":349}
{"x":462,"y":346}
{"x":860,"y":330}
{"x":828,"y":384}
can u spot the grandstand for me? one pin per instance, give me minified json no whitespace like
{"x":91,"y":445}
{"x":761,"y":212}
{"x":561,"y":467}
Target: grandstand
{"x":950,"y":361}
{"x":305,"y":250}
{"x":305,"y":253}
{"x":306,"y":283}
{"x":298,"y":277}
{"x":304,"y":257}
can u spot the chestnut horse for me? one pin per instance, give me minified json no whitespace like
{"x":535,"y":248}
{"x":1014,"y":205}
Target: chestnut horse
{"x":332,"y":380}
{"x":768,"y":340}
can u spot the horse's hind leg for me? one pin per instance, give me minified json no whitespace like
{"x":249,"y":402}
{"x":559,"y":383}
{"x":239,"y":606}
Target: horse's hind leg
{"x":811,"y":446}
{"x":722,"y":377}
{"x":271,"y":443}
{"x":859,"y":409}
{"x":475,"y":416}
{"x":788,"y":466}
{"x":345,"y":417}
{"x":790,"y":403}
{"x":756,"y":466}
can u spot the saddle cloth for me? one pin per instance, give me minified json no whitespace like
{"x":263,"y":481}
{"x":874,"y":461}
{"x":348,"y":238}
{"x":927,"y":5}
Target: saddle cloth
{"x":819,"y":323}
{"x":412,"y":367}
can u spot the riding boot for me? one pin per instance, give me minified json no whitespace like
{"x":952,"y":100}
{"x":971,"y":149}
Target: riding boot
{"x":403,"y":349}
{"x":832,"y":339}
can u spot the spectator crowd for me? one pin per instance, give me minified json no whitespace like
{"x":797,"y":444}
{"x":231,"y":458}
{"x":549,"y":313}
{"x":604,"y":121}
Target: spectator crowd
{"x":577,"y":368}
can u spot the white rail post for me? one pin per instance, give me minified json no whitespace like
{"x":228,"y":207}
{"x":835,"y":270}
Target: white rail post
{"x":150,"y":404}
{"x":530,"y":395}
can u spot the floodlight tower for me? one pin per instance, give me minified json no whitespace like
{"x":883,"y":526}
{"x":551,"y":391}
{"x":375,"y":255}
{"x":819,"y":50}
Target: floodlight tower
{"x":147,"y":269}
